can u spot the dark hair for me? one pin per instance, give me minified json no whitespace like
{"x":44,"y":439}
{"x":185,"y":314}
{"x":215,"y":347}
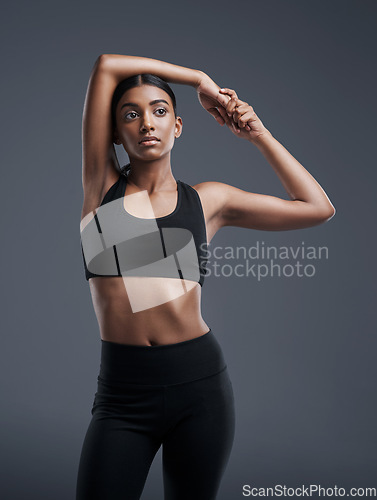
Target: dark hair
{"x":138,"y":81}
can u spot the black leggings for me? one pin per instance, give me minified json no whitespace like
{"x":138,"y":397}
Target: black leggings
{"x":177,"y":395}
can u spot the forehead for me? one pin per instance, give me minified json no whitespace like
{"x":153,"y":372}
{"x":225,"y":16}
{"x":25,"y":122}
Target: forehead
{"x":143,"y":95}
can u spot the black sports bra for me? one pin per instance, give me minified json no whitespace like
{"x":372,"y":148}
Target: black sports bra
{"x":116,"y":243}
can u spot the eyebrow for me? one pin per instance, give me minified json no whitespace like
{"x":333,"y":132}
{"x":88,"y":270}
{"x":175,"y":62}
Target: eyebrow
{"x":137,"y":106}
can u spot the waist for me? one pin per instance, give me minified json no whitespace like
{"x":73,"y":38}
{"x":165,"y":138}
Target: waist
{"x":165,"y":364}
{"x":131,"y":315}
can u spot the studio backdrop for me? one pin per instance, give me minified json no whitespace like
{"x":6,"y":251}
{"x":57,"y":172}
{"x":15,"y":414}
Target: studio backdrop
{"x":294,"y":311}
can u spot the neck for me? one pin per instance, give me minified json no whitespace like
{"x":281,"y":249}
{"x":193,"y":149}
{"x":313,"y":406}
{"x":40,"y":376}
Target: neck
{"x":151,"y":177}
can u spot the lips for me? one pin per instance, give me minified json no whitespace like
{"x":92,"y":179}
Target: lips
{"x":149,"y":138}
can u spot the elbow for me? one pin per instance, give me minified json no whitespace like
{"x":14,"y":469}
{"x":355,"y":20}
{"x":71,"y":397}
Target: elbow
{"x":101,"y":60}
{"x":328,"y":214}
{"x":322,"y":214}
{"x":332,"y":211}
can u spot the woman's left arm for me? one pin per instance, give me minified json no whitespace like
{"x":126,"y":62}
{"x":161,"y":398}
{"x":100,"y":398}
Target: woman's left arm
{"x":309,"y":204}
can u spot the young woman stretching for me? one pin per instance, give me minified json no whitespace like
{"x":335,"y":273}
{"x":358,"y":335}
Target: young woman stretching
{"x":163,"y":379}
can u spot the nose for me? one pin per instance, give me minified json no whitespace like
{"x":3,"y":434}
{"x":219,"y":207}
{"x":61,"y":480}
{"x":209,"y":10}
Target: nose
{"x":147,"y":123}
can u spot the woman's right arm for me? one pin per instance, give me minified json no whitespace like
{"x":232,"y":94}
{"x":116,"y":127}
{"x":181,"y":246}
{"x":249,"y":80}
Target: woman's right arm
{"x":98,"y":152}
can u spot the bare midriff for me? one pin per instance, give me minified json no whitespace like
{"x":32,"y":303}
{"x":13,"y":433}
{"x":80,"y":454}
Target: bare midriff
{"x":127,"y":313}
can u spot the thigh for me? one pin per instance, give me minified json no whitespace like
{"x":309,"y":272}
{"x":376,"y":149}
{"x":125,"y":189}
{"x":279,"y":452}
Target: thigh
{"x":114,"y":461}
{"x":197,"y":448}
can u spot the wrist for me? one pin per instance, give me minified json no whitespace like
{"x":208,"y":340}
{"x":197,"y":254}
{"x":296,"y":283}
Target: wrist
{"x":199,"y":77}
{"x":262,"y":139}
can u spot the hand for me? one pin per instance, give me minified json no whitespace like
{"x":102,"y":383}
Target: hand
{"x":210,"y":98}
{"x":241,"y":118}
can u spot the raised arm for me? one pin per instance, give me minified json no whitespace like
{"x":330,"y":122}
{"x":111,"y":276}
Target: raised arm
{"x":98,"y":153}
{"x":309,"y":204}
{"x":121,"y":67}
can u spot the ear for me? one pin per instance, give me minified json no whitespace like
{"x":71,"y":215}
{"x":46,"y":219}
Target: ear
{"x":178,"y":127}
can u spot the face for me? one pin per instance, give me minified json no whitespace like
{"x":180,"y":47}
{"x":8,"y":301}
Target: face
{"x":140,"y":118}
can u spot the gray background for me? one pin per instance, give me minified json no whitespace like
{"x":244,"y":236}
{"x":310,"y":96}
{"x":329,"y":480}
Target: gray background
{"x":301,"y":351}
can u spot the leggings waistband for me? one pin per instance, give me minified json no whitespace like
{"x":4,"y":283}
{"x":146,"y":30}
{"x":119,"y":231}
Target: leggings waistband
{"x":161,"y":364}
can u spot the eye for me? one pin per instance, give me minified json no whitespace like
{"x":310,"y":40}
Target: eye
{"x":158,"y":109}
{"x":131,"y":113}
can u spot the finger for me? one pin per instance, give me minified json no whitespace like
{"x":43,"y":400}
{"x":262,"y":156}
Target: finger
{"x":235,"y":127}
{"x":214,"y":112}
{"x":225,"y":116}
{"x":240,"y":110}
{"x":243,"y":124}
{"x":236,"y":115}
{"x":239,"y":105}
{"x":231,"y":106}
{"x":230,"y":92}
{"x":229,"y":121}
{"x":232,"y":99}
{"x":250,"y":123}
{"x":223,"y":100}
{"x":247,"y":126}
{"x":242,"y":106}
{"x":245,"y":118}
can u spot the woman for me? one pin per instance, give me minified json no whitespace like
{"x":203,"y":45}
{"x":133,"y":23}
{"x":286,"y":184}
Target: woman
{"x":163,"y":379}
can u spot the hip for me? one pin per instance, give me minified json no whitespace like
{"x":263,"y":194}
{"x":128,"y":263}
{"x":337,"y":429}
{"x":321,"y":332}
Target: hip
{"x":166,"y":364}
